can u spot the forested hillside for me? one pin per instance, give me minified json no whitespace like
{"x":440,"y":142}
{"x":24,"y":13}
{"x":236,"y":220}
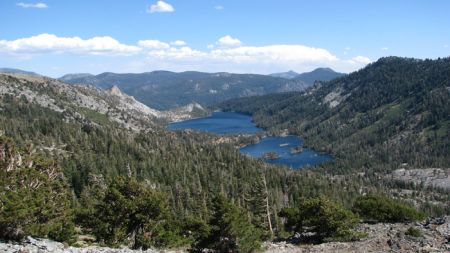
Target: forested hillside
{"x":393,"y":112}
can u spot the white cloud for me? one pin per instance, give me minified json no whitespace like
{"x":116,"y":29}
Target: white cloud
{"x":30,"y":5}
{"x":384,"y":48}
{"x":178,"y":53}
{"x":219,"y":7}
{"x":274,"y":53}
{"x":153,"y":44}
{"x":445,"y":46}
{"x":51,"y":43}
{"x":228,"y":41}
{"x":360,"y":60}
{"x":178,"y":43}
{"x":160,"y":6}
{"x":227,"y":54}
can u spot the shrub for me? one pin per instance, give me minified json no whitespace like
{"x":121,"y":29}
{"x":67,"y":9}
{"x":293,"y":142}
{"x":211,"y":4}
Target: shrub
{"x":133,"y":214}
{"x":383,"y":209}
{"x":320,"y":219}
{"x":35,"y":200}
{"x":414,"y":232}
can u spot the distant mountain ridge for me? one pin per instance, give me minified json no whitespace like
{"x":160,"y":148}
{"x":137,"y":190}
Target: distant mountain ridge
{"x":17,"y":71}
{"x":164,"y":90}
{"x":319,"y":74}
{"x":288,"y":75}
{"x":69,"y":77}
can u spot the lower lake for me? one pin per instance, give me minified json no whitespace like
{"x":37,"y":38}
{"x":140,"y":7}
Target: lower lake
{"x":283,"y":150}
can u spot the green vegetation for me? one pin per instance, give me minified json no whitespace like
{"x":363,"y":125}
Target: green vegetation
{"x":94,"y":116}
{"x":414,"y":232}
{"x":131,"y":213}
{"x":230,"y":229}
{"x":320,"y":219}
{"x":383,"y":209}
{"x":35,"y":199}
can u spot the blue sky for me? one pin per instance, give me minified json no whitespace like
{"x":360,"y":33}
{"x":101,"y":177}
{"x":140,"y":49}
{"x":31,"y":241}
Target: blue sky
{"x":55,"y":37}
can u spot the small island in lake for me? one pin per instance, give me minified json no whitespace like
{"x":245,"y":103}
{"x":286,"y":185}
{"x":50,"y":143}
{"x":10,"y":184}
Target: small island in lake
{"x":296,"y":150}
{"x":271,"y":155}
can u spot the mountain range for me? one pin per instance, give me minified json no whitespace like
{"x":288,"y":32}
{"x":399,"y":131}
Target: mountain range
{"x":165,"y":90}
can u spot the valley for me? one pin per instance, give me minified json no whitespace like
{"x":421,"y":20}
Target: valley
{"x":109,"y":147}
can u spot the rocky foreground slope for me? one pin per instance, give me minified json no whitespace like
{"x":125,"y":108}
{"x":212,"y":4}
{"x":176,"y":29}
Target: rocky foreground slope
{"x":381,"y":237}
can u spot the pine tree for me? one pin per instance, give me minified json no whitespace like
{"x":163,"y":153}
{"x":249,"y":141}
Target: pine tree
{"x":231,"y":230}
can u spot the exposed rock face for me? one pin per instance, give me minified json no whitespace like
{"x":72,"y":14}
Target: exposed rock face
{"x":433,"y":177}
{"x":384,"y":237}
{"x":31,"y":245}
{"x":185,"y":112}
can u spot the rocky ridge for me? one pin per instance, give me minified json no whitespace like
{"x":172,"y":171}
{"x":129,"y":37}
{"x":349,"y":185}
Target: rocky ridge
{"x":77,"y":101}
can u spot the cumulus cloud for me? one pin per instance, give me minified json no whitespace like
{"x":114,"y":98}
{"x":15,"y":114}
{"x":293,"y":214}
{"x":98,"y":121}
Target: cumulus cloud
{"x":51,"y":43}
{"x":153,"y":44}
{"x":227,"y":54}
{"x":275,"y":53}
{"x":178,"y":53}
{"x":31,"y":5}
{"x":360,"y":60}
{"x":160,"y":6}
{"x":178,"y":43}
{"x":228,"y":41}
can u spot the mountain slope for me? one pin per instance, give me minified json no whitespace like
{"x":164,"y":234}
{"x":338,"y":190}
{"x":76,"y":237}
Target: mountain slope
{"x":167,"y":90}
{"x":69,"y":77}
{"x":17,"y":71}
{"x":395,"y":111}
{"x":319,"y":74}
{"x":82,"y":101}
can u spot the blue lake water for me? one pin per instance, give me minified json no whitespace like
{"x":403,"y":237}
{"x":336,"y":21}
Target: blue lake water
{"x":237,"y":123}
{"x":282,"y":145}
{"x":220,"y":123}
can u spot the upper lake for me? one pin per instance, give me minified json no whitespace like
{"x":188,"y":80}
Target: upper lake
{"x":220,"y":123}
{"x":237,"y":123}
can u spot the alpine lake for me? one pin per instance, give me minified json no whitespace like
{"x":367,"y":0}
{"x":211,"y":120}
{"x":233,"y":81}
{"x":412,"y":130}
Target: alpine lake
{"x":283,"y":150}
